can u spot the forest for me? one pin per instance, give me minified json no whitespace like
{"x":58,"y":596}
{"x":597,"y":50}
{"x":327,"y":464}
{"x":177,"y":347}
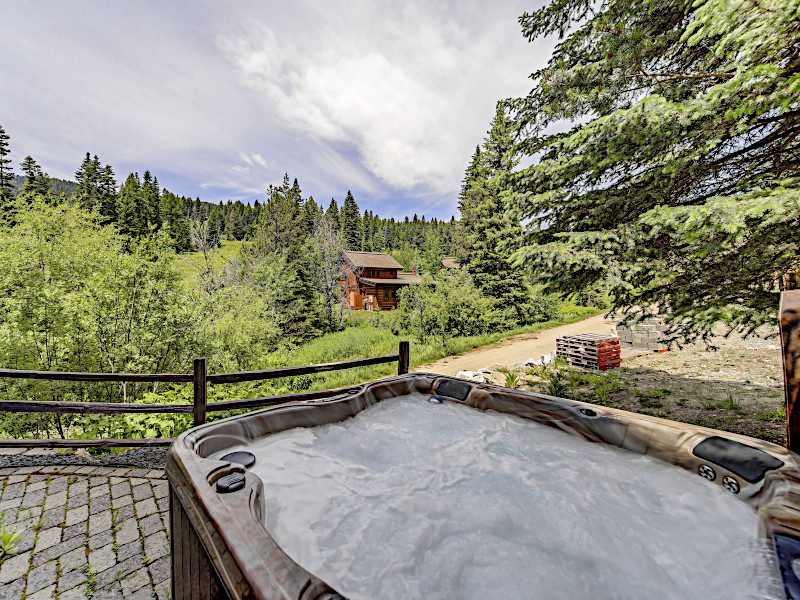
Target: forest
{"x":93,"y":279}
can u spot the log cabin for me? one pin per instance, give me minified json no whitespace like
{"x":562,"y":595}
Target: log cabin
{"x":372,"y":279}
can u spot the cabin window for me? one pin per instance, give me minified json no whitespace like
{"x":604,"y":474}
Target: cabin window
{"x":394,"y":294}
{"x":385,"y":294}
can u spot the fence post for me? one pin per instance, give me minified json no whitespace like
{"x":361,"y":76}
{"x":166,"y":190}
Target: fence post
{"x":402,"y":361}
{"x":200,"y":391}
{"x":790,"y":348}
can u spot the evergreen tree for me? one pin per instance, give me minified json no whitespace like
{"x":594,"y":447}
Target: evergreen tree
{"x":351,"y":223}
{"x":97,"y":188}
{"x":151,"y":198}
{"x":333,"y":212}
{"x":294,"y":193}
{"x":366,"y":232}
{"x":6,"y":173}
{"x":473,"y":172}
{"x":216,"y":226}
{"x":489,"y":234}
{"x":36,"y":180}
{"x":178,"y":223}
{"x":129,"y":208}
{"x":308,"y":214}
{"x":679,"y":182}
{"x":87,"y":179}
{"x":299,"y":308}
{"x":278,"y":228}
{"x":237,"y":224}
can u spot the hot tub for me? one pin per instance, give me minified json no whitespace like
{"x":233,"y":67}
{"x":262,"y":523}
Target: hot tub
{"x":222,"y":549}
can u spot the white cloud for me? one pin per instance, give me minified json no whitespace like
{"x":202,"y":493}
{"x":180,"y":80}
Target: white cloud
{"x":387,"y":99}
{"x":410,"y":89}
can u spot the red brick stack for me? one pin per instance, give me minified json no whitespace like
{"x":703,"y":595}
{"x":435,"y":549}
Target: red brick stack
{"x":590,"y":350}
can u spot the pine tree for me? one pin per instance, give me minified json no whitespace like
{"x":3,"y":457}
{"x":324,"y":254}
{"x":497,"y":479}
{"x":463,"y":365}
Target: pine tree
{"x":333,"y":212}
{"x":130,"y":208}
{"x":172,"y":208}
{"x":678,"y":183}
{"x":97,"y":188}
{"x":216,"y":226}
{"x":6,"y":173}
{"x":87,"y":179}
{"x":351,"y":223}
{"x":489,"y":235}
{"x":278,"y":227}
{"x":151,"y":211}
{"x":366,"y":232}
{"x":36,"y":181}
{"x":300,"y":315}
{"x":308,"y":214}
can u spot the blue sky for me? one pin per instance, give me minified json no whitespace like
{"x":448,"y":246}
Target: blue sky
{"x":218,"y":100}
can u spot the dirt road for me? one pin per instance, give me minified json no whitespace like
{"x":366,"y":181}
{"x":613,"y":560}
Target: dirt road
{"x":516,"y":349}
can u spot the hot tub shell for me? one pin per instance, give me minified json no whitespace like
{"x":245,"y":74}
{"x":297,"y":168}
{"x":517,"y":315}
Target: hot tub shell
{"x":221,"y":548}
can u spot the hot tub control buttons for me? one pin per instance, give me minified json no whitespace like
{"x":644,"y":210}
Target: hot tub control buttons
{"x":730,"y":484}
{"x":707,"y":472}
{"x":230,"y":483}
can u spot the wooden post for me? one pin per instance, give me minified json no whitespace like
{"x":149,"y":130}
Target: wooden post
{"x":200,"y":391}
{"x":790,"y":344}
{"x":402,"y":362}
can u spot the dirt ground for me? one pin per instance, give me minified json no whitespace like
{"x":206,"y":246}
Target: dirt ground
{"x":517,"y":349}
{"x":738,"y":387}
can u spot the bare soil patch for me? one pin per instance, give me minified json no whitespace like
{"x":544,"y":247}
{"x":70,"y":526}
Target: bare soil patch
{"x":737,"y":388}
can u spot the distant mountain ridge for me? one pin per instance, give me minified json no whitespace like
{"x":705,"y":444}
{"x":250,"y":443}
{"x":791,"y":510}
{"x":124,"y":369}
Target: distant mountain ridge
{"x":69,"y":188}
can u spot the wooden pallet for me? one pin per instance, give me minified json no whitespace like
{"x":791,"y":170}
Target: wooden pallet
{"x":590,"y":350}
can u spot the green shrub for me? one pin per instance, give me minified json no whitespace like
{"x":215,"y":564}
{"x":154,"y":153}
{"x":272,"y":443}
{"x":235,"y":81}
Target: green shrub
{"x":511,"y":380}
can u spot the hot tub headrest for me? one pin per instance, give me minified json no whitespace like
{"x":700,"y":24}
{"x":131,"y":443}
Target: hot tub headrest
{"x":745,"y":461}
{"x":454,"y":389}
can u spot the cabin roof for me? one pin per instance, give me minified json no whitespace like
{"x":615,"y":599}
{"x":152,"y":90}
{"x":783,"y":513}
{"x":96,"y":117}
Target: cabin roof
{"x":450,"y":262}
{"x":372,"y":260}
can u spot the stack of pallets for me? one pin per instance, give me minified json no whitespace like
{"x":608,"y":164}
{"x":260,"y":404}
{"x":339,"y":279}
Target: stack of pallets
{"x":589,"y":350}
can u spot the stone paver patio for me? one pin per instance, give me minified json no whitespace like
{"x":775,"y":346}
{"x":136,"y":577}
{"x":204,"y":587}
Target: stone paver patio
{"x":87,"y":532}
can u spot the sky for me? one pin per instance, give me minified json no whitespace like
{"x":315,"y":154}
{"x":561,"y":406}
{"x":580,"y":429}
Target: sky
{"x":219,"y":100}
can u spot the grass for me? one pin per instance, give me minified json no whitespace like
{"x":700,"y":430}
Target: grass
{"x":363,"y":342}
{"x":776,"y":416}
{"x":190,"y":264}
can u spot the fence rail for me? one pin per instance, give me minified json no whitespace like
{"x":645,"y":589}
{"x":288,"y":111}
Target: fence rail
{"x":200,"y":406}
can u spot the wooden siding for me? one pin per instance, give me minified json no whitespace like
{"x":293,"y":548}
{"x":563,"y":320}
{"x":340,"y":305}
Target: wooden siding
{"x":380,"y":273}
{"x":357,"y":292}
{"x":193,"y":577}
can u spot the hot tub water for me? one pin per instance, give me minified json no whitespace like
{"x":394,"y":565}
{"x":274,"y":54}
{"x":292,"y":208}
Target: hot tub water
{"x":412,"y":499}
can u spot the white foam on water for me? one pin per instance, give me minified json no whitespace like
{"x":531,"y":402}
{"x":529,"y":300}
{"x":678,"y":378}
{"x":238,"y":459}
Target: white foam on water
{"x":410,"y":499}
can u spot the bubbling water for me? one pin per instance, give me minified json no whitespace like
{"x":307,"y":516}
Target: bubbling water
{"x":410,"y":499}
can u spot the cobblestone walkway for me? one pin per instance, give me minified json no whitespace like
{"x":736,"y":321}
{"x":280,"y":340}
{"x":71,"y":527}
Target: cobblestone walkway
{"x":87,"y":532}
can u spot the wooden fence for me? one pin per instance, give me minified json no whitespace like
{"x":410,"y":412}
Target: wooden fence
{"x":200,"y":380}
